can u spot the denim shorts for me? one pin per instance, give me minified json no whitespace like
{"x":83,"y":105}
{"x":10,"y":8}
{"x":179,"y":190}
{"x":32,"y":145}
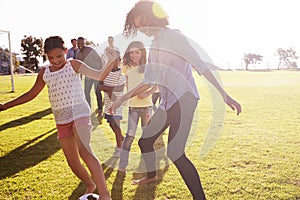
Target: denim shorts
{"x":110,"y":118}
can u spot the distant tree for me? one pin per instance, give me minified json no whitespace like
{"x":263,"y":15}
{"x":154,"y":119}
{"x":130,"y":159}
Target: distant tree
{"x":15,"y":62}
{"x":91,"y":43}
{"x":287,"y":58}
{"x":4,"y":61}
{"x":251,"y":58}
{"x":32,"y":48}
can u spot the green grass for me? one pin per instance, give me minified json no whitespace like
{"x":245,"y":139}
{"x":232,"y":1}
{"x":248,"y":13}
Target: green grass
{"x":253,"y":156}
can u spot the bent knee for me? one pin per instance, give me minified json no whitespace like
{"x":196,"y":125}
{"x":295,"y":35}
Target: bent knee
{"x":127,"y":142}
{"x":143,"y":143}
{"x":174,"y":154}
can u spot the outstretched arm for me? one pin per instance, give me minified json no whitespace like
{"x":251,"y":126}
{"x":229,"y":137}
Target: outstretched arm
{"x":81,"y":67}
{"x":185,"y":50}
{"x":147,"y":92}
{"x":234,"y":105}
{"x":110,"y":89}
{"x":28,"y":96}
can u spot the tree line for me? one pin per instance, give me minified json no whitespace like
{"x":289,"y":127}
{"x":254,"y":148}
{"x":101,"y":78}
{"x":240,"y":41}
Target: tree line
{"x":32,"y":49}
{"x":287,"y":59}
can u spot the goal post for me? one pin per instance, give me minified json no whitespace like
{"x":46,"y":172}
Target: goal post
{"x":11,"y":66}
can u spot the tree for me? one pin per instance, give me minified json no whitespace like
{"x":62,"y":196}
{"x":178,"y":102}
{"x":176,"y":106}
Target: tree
{"x":32,"y":48}
{"x":251,"y":58}
{"x":287,"y":58}
{"x":4,"y":61}
{"x":91,"y":43}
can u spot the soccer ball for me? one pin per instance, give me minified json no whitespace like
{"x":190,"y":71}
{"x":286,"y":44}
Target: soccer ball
{"x":90,"y":196}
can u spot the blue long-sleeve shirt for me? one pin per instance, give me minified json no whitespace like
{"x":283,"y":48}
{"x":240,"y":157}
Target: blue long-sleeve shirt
{"x":170,"y":63}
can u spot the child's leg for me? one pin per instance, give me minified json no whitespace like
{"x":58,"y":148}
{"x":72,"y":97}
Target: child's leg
{"x":145,"y":116}
{"x":124,"y":154}
{"x":69,"y":147}
{"x":83,"y":137}
{"x":133,"y":118}
{"x":151,"y":132}
{"x":115,"y":126}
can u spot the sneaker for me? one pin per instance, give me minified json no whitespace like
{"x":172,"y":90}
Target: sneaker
{"x":117,"y":152}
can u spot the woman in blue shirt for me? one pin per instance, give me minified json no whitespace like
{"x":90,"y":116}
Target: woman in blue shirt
{"x":171,"y":59}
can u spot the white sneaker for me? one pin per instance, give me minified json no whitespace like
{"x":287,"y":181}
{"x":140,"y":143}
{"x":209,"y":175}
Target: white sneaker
{"x":117,"y":152}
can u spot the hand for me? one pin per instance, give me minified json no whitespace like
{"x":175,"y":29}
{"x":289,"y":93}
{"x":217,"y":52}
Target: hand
{"x":100,"y":86}
{"x":234,"y":105}
{"x":112,"y":109}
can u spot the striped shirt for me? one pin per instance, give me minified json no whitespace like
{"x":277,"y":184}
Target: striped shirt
{"x":113,"y":79}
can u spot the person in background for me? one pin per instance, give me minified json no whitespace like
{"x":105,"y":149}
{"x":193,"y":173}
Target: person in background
{"x":89,"y":56}
{"x":72,"y":52}
{"x":170,"y":63}
{"x":113,"y":86}
{"x":71,"y":111}
{"x":110,"y":50}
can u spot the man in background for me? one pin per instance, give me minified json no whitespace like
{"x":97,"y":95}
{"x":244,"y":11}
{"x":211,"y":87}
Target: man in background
{"x":89,"y":56}
{"x":72,"y":52}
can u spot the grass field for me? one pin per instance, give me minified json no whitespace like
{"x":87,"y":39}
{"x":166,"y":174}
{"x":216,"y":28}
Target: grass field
{"x":253,"y":156}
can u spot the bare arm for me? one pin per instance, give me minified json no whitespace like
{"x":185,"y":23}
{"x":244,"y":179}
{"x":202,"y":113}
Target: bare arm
{"x":110,"y":89}
{"x":81,"y":67}
{"x":135,"y":91}
{"x":147,"y":92}
{"x":234,"y":105}
{"x":28,"y":96}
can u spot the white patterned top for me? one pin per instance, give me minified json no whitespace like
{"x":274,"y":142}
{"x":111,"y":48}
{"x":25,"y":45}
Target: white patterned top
{"x":66,"y":94}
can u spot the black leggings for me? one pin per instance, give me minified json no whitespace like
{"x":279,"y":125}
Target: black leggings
{"x":179,"y":119}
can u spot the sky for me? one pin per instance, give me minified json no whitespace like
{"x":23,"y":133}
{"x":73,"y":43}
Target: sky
{"x":226,"y":30}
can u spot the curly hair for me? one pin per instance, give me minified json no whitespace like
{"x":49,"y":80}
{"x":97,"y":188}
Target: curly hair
{"x":152,"y":10}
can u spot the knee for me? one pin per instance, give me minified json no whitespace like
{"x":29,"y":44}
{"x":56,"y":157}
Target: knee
{"x":174,"y":153}
{"x":146,"y":145}
{"x":128,"y":140}
{"x":142,"y":143}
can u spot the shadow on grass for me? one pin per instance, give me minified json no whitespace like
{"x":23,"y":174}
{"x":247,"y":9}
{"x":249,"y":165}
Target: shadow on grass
{"x":27,"y":155}
{"x":78,"y":192}
{"x":117,"y":187}
{"x":147,"y":191}
{"x":95,"y":120}
{"x":143,"y":192}
{"x":107,"y":167}
{"x":25,"y":120}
